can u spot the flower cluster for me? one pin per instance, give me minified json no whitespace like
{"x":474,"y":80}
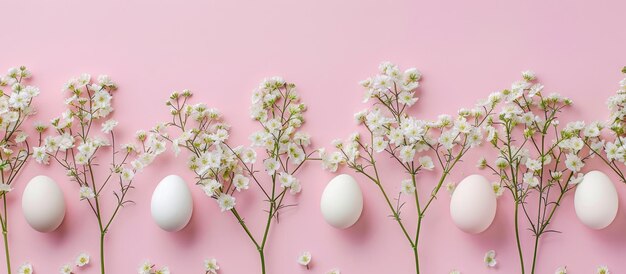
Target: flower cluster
{"x":75,"y":143}
{"x":610,"y":149}
{"x":149,"y":268}
{"x":222,"y":169}
{"x":406,"y":139}
{"x":81,"y":261}
{"x":536,"y":156}
{"x":16,"y":107}
{"x":74,"y":146}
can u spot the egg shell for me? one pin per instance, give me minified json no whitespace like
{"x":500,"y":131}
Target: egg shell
{"x":43,"y":204}
{"x":596,"y":201}
{"x":342,"y":202}
{"x":172,"y":204}
{"x":473,"y":204}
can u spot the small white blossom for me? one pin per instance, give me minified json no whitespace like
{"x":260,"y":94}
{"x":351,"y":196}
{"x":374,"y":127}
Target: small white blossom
{"x":334,"y":271}
{"x":573,"y":162}
{"x":241,"y":182}
{"x":82,"y":259}
{"x":210,"y":266}
{"x":226,"y":202}
{"x":26,"y":268}
{"x":146,"y":268}
{"x":450,"y":186}
{"x":66,"y":269}
{"x":108,"y":126}
{"x":86,"y":193}
{"x":304,"y":259}
{"x":271,"y":166}
{"x":163,"y":270}
{"x":497,"y":188}
{"x":426,"y":162}
{"x":530,"y":179}
{"x":603,"y":270}
{"x":561,"y":270}
{"x":408,"y":187}
{"x":490,"y":258}
{"x":5,"y":188}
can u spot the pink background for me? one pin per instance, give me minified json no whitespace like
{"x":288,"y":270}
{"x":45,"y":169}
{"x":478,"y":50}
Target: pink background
{"x":222,"y":49}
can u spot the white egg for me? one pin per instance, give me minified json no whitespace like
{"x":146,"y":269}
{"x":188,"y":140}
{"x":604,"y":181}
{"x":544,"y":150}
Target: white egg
{"x":172,"y":204}
{"x":596,"y":200}
{"x":473,"y":204}
{"x":43,"y":204}
{"x":342,"y":202}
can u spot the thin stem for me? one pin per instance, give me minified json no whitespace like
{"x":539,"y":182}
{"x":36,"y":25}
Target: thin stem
{"x":102,"y":252}
{"x":517,"y":237}
{"x":5,"y":232}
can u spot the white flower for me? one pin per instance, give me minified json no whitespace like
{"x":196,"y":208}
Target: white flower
{"x":603,"y":270}
{"x":455,"y":272}
{"x":5,"y":188}
{"x":109,"y":125}
{"x":450,"y":186}
{"x":248,"y":156}
{"x":426,"y":162}
{"x":490,"y":258}
{"x":163,"y":270}
{"x":21,"y":137}
{"x":561,"y":270}
{"x":66,"y":269}
{"x":82,"y":259}
{"x":573,"y":162}
{"x":127,"y":174}
{"x":226,"y":202}
{"x":241,"y":182}
{"x":40,"y":155}
{"x":530,"y":179}
{"x":26,"y":268}
{"x":379,"y":144}
{"x":211,"y":187}
{"x":146,"y":268}
{"x":210,"y":265}
{"x":497,"y":188}
{"x":295,"y":188}
{"x":533,"y":165}
{"x":334,"y":271}
{"x":86,"y":193}
{"x":286,"y":180}
{"x":576,"y":179}
{"x":408,"y":187}
{"x":305,"y":258}
{"x":271,"y":166}
{"x":528,"y":75}
{"x":407,"y":153}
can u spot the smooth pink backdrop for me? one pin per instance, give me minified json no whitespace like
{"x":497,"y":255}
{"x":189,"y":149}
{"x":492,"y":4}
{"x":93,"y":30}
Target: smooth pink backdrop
{"x":222,"y":49}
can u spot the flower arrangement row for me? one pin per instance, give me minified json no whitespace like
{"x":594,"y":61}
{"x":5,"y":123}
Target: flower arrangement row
{"x":535,"y":158}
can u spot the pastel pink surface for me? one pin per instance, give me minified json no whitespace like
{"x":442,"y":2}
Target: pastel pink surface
{"x":222,"y":49}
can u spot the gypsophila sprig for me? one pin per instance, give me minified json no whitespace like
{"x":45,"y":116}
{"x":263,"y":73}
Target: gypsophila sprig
{"x":16,"y":107}
{"x":223,"y":170}
{"x":538,"y":160}
{"x":409,"y":141}
{"x":610,"y":149}
{"x":76,"y":142}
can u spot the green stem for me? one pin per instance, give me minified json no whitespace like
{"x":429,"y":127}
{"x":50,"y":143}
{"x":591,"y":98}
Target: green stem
{"x":5,"y":232}
{"x":102,"y":252}
{"x":517,"y":238}
{"x":532,"y":270}
{"x":417,"y":237}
